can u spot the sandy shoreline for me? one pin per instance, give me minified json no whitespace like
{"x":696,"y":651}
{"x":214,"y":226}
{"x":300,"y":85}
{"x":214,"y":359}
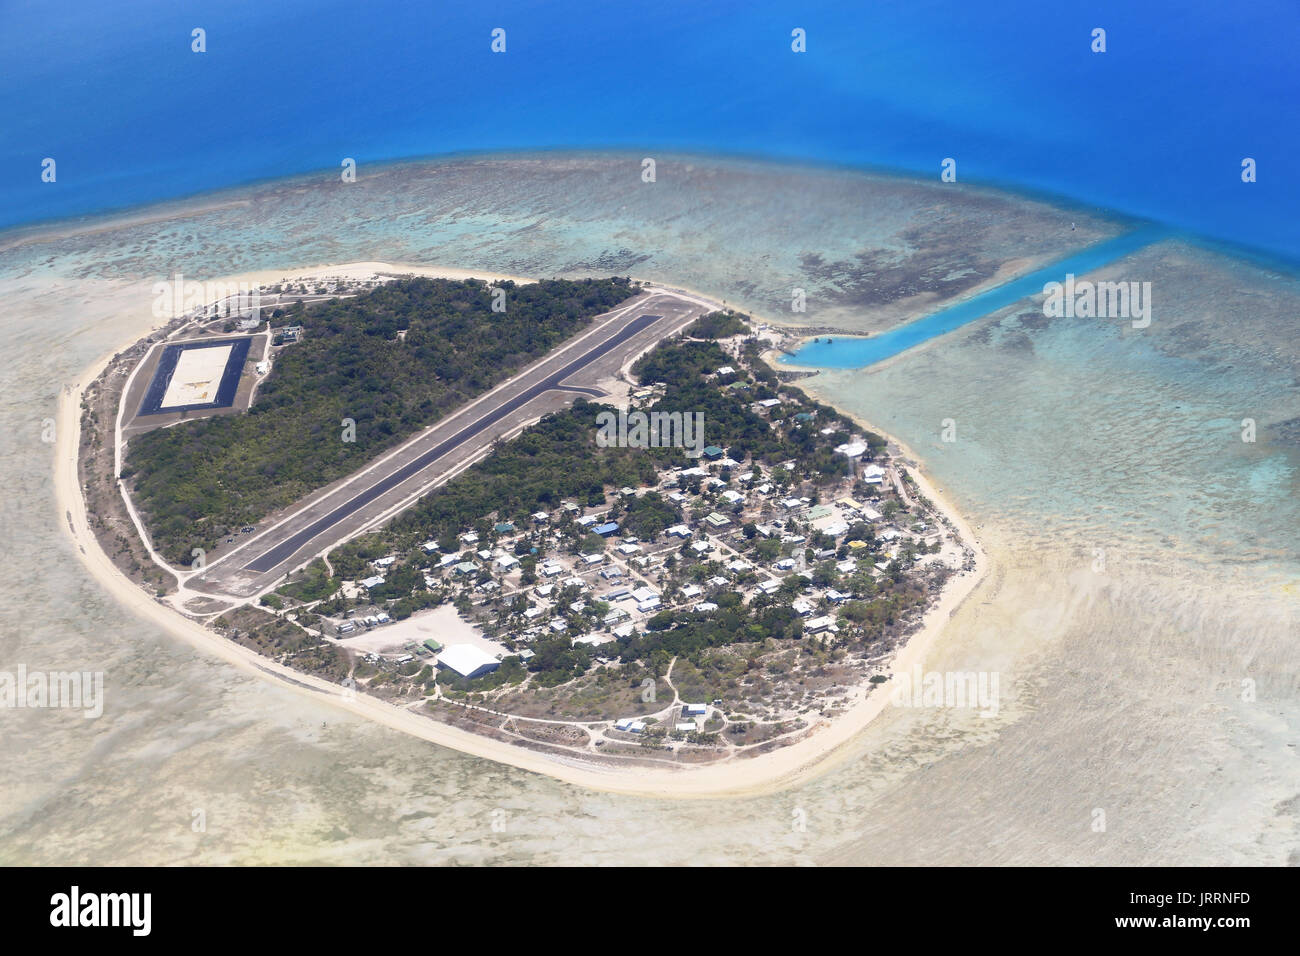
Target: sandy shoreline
{"x":819,"y":752}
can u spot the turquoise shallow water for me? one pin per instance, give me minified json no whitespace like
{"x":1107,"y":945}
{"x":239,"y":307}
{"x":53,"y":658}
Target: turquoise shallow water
{"x":858,"y":353}
{"x":1084,"y":430}
{"x":1146,"y":601}
{"x":1122,"y":686}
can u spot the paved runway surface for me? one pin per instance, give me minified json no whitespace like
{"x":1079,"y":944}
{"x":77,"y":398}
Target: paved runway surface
{"x":333,"y":514}
{"x":285,"y":549}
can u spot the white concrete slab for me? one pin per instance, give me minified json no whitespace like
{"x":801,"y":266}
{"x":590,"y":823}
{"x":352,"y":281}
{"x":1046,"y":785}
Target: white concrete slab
{"x":197,"y":376}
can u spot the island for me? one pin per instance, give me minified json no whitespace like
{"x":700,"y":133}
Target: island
{"x":587,"y":522}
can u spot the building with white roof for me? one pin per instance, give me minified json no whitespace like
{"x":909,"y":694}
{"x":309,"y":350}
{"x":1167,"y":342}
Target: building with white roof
{"x":467,"y":660}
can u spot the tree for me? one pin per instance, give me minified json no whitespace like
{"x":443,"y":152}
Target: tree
{"x":658,"y":663}
{"x":825,"y":574}
{"x":661,"y":621}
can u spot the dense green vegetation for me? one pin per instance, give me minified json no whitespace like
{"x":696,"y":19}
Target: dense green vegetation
{"x":717,"y":325}
{"x":687,"y":634}
{"x":647,"y":516}
{"x":683,"y":633}
{"x":555,"y":459}
{"x":198,"y":480}
{"x":729,"y":420}
{"x":312,"y":583}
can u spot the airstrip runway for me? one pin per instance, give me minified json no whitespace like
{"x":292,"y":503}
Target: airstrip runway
{"x":324,"y":519}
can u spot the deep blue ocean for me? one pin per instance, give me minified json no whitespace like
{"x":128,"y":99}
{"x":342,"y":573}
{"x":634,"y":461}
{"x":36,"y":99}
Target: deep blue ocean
{"x":1155,"y":127}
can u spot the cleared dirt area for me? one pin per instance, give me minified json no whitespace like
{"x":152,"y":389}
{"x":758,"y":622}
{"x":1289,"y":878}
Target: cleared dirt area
{"x":443,"y":624}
